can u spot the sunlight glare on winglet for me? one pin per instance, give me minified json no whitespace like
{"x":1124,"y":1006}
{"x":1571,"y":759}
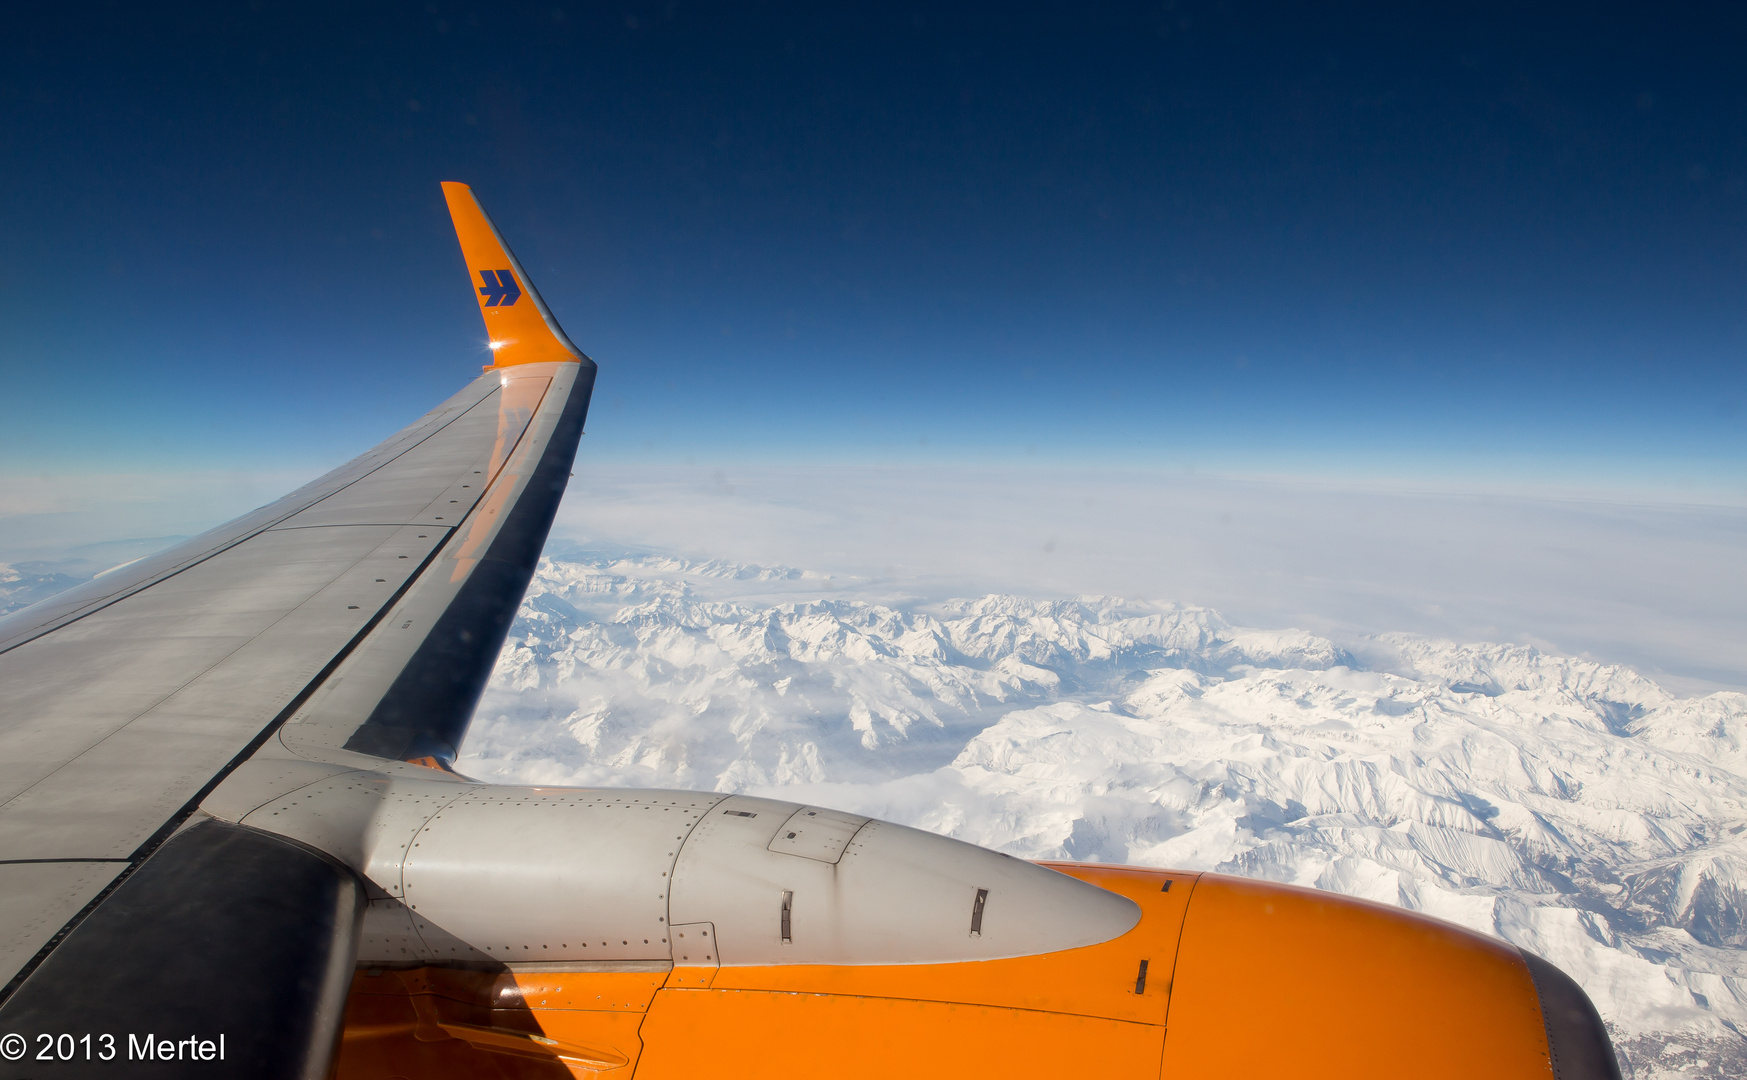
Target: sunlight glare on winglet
{"x":518,"y":324}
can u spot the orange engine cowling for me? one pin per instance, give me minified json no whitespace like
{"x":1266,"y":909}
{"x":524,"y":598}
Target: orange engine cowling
{"x":1221,"y":976}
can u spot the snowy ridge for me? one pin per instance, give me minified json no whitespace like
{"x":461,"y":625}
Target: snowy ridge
{"x":1571,"y":807}
{"x":23,"y":585}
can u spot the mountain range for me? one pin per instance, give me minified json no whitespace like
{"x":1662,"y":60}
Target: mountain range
{"x":1569,"y":806}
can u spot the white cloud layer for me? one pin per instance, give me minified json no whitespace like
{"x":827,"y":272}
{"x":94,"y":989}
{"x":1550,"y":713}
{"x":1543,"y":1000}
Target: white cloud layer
{"x":87,"y":522}
{"x":1655,"y":585}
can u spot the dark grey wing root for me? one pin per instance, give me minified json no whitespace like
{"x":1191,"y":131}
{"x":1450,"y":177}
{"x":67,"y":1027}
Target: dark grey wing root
{"x":229,"y":941}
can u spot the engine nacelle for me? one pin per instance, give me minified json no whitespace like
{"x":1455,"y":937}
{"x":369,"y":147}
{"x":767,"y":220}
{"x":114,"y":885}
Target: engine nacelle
{"x":478,"y":872}
{"x":672,"y":934}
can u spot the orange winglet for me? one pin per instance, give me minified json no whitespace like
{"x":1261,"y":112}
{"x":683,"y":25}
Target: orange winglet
{"x":520,"y":326}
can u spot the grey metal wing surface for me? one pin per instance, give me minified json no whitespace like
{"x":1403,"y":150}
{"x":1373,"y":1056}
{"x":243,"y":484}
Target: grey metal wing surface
{"x":352,"y":623}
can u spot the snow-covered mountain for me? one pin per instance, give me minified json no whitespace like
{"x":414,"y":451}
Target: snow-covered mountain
{"x":23,"y":585}
{"x":1574,"y":808}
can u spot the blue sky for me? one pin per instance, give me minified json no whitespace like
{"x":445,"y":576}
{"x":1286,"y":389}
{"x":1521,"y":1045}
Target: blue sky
{"x":1462,"y":245}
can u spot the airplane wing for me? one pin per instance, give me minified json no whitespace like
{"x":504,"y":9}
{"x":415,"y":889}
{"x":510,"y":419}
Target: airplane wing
{"x":355,"y":620}
{"x":231,"y":844}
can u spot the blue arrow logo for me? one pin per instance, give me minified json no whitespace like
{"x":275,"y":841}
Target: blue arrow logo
{"x":500,"y":288}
